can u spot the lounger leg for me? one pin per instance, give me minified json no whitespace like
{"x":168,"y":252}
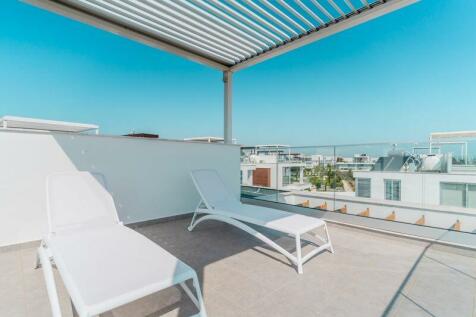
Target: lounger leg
{"x":198,"y":300}
{"x":37,"y":261}
{"x":331,"y":248}
{"x":190,"y":227}
{"x":203,"y":312}
{"x":298,"y":253}
{"x":50,"y":281}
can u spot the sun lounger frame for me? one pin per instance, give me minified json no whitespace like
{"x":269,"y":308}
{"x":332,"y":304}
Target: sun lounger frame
{"x":212,"y":213}
{"x":45,"y":259}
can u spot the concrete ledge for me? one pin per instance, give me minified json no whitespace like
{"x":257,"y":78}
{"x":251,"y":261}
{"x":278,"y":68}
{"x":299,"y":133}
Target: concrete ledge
{"x":430,"y":234}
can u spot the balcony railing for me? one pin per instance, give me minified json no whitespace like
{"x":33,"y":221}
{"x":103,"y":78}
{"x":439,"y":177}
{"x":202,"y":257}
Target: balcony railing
{"x":414,"y":187}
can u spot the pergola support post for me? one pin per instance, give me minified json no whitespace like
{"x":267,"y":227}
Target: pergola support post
{"x":228,"y":95}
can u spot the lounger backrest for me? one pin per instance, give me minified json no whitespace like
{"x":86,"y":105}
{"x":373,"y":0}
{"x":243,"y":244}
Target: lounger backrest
{"x":76,"y":200}
{"x":212,"y":189}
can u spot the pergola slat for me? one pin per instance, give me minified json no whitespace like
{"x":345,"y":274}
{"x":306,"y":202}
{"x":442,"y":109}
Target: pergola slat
{"x":252,"y":25}
{"x":261,"y":10}
{"x":258,"y":19}
{"x":337,"y":8}
{"x":217,"y":30}
{"x":284,"y":16}
{"x":257,"y":44}
{"x":174,"y":16}
{"x":310,"y":12}
{"x":350,"y":5}
{"x":296,"y":14}
{"x":323,"y":10}
{"x":118,"y":13}
{"x":235,"y":19}
{"x":178,"y":26}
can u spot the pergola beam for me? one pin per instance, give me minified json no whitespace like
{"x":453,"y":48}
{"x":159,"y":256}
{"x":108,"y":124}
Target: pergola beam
{"x":244,"y":38}
{"x":353,"y":20}
{"x":115,"y":28}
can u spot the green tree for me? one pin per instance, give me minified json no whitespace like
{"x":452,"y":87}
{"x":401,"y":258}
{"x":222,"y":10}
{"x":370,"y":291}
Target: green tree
{"x":316,"y":181}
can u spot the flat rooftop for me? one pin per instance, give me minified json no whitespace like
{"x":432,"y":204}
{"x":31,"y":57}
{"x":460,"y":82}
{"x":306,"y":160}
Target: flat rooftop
{"x":13,"y":122}
{"x":370,"y":274}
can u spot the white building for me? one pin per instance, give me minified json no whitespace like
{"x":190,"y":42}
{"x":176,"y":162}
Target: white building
{"x":356,"y":162}
{"x":273,"y":166}
{"x":422,"y":179}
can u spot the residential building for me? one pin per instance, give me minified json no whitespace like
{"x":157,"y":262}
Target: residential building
{"x":273,"y":166}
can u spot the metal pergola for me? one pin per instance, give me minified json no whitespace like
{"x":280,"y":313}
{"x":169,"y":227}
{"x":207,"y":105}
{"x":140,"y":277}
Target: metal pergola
{"x":228,"y":35}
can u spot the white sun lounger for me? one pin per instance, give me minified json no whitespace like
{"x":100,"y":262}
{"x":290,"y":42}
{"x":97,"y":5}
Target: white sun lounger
{"x":102,"y":263}
{"x":217,"y":202}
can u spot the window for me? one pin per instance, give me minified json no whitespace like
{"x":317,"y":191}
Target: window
{"x":362,"y":187}
{"x":291,"y":175}
{"x":471,"y":196}
{"x":249,"y":177}
{"x":286,"y":176}
{"x":458,"y":195}
{"x":392,"y":189}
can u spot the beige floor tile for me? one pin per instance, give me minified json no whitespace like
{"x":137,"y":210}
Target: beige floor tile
{"x":369,"y":274}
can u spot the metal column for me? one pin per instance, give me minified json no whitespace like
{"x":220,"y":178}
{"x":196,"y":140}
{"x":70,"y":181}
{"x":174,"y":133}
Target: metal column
{"x":228,"y":83}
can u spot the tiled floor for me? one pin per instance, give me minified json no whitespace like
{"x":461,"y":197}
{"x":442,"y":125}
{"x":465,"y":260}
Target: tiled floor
{"x":369,"y":275}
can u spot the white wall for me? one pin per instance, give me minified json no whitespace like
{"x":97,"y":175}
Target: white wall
{"x":419,"y":188}
{"x":148,"y":178}
{"x":435,"y":216}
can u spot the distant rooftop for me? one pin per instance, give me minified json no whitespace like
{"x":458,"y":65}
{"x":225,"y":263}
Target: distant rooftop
{"x":391,"y":163}
{"x":453,"y":134}
{"x":12,"y":122}
{"x":271,"y":145}
{"x":208,"y":139}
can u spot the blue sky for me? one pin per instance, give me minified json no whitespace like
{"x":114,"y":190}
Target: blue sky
{"x":396,"y":78}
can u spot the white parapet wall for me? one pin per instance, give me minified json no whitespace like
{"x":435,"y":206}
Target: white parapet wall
{"x":435,"y":216}
{"x":148,"y":178}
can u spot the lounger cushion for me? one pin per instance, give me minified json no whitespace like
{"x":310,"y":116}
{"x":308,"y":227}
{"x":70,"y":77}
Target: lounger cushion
{"x":279,"y":220}
{"x":113,"y":265}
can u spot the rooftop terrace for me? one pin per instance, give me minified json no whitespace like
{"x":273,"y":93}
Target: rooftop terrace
{"x":371,"y":274}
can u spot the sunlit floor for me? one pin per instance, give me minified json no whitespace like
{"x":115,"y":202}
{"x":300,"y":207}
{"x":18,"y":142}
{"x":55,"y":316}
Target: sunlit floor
{"x":370,"y":274}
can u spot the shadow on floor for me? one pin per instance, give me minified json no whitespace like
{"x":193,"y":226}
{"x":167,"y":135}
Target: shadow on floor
{"x":434,"y":274}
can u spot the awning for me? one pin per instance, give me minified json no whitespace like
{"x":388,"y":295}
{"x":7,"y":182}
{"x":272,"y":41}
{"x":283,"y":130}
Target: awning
{"x":225,"y":34}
